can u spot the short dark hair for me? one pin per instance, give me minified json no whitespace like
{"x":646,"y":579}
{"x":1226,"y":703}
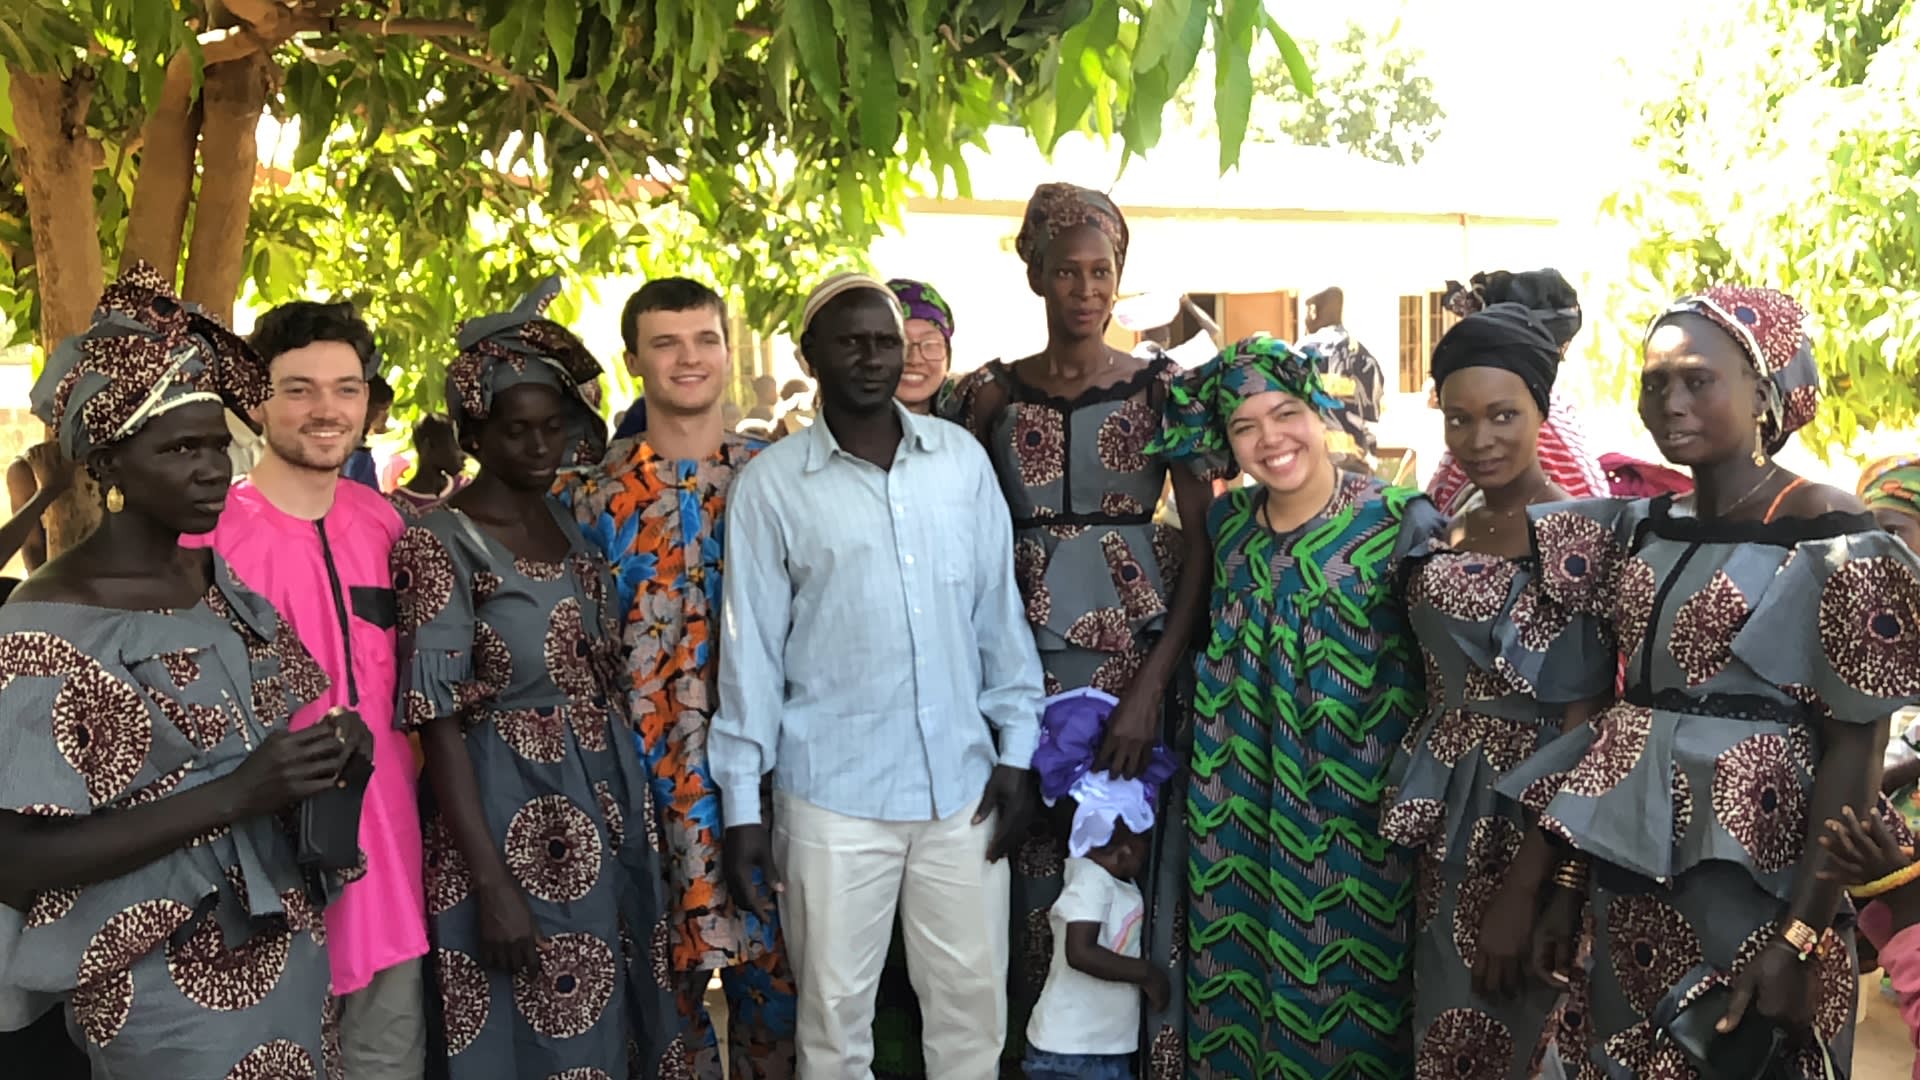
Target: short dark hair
{"x":303,"y":322}
{"x":430,"y":426}
{"x":668,"y":294}
{"x":379,"y":393}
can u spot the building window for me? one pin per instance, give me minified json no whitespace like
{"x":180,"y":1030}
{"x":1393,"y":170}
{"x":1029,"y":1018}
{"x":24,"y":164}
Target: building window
{"x":1439,"y":319}
{"x":1413,"y":344}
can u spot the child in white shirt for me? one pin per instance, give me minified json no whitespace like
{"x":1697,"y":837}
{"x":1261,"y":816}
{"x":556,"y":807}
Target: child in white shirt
{"x":1086,"y":1024}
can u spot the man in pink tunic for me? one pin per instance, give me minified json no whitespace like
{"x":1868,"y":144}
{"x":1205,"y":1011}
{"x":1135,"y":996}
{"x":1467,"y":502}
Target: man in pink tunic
{"x":318,"y":546}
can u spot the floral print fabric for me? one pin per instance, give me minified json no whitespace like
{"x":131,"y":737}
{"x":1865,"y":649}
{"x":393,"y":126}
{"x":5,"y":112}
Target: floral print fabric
{"x":209,"y":960}
{"x":521,"y":655}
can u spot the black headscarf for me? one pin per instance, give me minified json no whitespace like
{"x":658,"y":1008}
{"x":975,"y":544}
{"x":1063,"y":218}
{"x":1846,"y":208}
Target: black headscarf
{"x":1506,"y":336}
{"x":1545,"y":292}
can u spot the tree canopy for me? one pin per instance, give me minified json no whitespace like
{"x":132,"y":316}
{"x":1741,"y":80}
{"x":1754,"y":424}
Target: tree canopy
{"x":1781,"y":143}
{"x":441,"y":155}
{"x":1369,"y":97}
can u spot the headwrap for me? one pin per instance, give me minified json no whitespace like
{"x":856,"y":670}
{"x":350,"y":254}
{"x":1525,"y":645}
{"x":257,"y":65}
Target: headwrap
{"x":146,"y":353}
{"x":1548,"y":294}
{"x":923,"y":301}
{"x":1505,"y":336}
{"x":1055,"y":208}
{"x":1072,"y":726}
{"x":520,"y":347}
{"x":841,"y":284}
{"x":1892,"y":483}
{"x":1769,"y":327}
{"x":1200,"y":401}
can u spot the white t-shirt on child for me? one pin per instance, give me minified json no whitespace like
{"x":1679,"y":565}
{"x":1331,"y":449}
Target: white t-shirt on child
{"x":1077,"y":1013}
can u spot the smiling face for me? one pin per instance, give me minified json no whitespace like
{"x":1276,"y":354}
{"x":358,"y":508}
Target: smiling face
{"x":318,"y":408}
{"x":857,"y":352}
{"x":682,"y":358}
{"x":1699,"y":397}
{"x":174,"y":469}
{"x":926,"y":364}
{"x":522,"y":441}
{"x":1492,"y":425}
{"x":1078,"y":277}
{"x":1279,"y":440}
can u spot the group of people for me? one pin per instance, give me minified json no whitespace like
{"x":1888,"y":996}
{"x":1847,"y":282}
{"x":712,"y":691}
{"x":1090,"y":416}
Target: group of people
{"x":1080,"y":717}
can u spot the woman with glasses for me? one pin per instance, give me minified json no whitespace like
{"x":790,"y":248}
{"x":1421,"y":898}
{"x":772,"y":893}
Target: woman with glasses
{"x":929,"y":345}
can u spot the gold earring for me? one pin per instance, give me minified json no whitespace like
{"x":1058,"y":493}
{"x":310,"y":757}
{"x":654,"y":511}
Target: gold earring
{"x":1759,"y":445}
{"x":116,"y":502}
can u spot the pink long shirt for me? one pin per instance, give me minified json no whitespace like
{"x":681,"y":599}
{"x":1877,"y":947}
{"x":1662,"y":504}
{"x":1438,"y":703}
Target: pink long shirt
{"x":321,"y":575}
{"x":1900,"y":956}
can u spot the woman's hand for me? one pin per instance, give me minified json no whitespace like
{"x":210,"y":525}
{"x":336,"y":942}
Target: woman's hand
{"x":1133,"y":729}
{"x":288,"y":766}
{"x":1556,"y":937}
{"x":351,"y":730}
{"x":1506,"y":943}
{"x":1778,"y":985}
{"x":508,"y":939}
{"x":1860,"y":852}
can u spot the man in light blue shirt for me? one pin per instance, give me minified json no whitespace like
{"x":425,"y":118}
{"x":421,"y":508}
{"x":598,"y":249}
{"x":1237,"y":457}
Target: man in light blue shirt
{"x":875,"y":659}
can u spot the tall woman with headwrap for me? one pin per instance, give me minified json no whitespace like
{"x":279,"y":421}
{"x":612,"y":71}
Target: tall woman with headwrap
{"x":1068,"y":429}
{"x":1493,"y":650}
{"x":1299,"y":913}
{"x":149,"y":873}
{"x":1564,"y":447}
{"x":544,"y":883}
{"x":1770,"y":627}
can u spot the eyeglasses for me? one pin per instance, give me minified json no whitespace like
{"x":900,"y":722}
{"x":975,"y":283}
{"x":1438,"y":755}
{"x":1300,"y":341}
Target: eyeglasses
{"x":933,"y":349}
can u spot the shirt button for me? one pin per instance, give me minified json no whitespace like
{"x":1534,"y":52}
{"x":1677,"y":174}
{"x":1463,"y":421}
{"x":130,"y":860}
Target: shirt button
{"x":916,"y":611}
{"x":909,"y":560}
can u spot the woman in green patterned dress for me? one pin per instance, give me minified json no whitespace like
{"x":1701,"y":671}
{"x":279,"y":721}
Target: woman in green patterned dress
{"x":1298,"y":912}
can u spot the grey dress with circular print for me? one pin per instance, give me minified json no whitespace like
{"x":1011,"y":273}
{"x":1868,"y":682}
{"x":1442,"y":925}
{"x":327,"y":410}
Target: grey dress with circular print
{"x":1502,"y":663}
{"x":1691,"y":794}
{"x":522,"y":654}
{"x":210,"y":961}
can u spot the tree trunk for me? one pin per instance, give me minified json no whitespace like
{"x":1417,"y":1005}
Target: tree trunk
{"x":232,"y":99}
{"x":57,"y":158}
{"x":157,"y":218}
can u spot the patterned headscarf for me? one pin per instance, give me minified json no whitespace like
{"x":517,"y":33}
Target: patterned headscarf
{"x":1055,"y":208}
{"x":1892,"y":483}
{"x":146,"y":353}
{"x":923,"y":301}
{"x":1770,"y":327}
{"x":1201,"y":401}
{"x":521,"y":346}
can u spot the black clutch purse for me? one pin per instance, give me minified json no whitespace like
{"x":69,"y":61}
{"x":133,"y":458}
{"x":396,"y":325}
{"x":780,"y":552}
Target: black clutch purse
{"x":328,"y":826}
{"x":1689,"y":1018}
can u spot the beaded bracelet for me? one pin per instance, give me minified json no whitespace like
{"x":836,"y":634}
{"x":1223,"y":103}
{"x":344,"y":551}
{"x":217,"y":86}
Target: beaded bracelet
{"x":1571,"y":874}
{"x":1887,"y":884}
{"x":1801,"y":938}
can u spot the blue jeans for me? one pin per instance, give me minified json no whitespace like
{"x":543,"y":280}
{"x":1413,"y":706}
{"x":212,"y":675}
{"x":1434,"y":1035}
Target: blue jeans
{"x":1041,"y":1065}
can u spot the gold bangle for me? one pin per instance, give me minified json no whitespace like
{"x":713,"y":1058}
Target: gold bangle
{"x":1803,"y":938}
{"x":1902,"y":876}
{"x":1571,"y":874}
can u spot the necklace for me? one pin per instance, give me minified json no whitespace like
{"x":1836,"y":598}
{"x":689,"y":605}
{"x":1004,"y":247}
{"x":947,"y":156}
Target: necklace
{"x":1751,"y":492}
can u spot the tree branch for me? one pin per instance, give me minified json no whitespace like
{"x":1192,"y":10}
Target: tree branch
{"x":220,"y":46}
{"x":553,"y":105}
{"x":157,"y":216}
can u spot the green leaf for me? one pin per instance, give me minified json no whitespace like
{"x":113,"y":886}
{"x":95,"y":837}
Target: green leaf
{"x":1232,"y":88}
{"x":880,"y":106}
{"x":1159,"y":30}
{"x":563,"y":23}
{"x":6,"y":105}
{"x":1297,"y":67}
{"x":853,"y":20}
{"x":1073,"y":90}
{"x":810,"y":22}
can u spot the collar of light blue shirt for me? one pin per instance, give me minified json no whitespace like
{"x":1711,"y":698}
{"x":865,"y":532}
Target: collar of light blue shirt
{"x":922,"y":435}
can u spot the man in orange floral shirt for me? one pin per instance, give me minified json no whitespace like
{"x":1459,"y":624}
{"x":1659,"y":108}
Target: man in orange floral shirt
{"x":656,"y":507}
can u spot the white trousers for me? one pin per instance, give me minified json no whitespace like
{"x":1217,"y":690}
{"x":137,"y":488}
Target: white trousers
{"x":845,"y":877}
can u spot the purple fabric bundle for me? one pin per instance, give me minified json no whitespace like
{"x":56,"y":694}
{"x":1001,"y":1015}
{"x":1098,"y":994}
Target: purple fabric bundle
{"x":1071,"y":729}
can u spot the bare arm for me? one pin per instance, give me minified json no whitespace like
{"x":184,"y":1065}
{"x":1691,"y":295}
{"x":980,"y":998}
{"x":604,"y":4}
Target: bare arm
{"x":1187,"y":608}
{"x":1085,"y":954}
{"x":1848,"y":777}
{"x":39,"y":853}
{"x":21,"y":490}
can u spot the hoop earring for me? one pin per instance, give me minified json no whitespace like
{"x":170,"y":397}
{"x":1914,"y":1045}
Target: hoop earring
{"x":1759,"y":446}
{"x":116,"y":502}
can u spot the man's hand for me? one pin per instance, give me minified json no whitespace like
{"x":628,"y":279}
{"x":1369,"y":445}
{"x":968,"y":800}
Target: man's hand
{"x":1009,"y":799}
{"x":746,"y":851}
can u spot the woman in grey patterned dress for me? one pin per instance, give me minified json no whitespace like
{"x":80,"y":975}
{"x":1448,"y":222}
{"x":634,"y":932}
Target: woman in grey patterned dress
{"x":1769,"y":628}
{"x":1067,"y":430}
{"x":544,"y":887}
{"x":146,"y":863}
{"x":1495,"y":653}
